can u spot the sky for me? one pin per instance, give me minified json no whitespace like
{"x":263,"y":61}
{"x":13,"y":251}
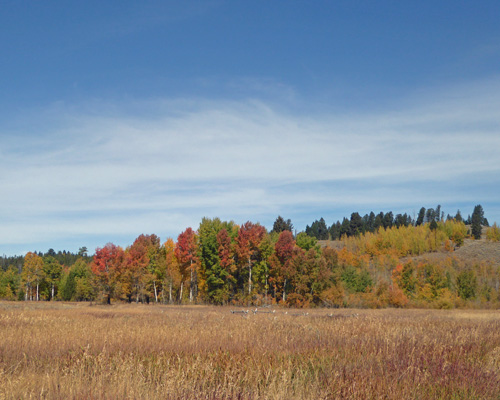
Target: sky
{"x":122,"y":118}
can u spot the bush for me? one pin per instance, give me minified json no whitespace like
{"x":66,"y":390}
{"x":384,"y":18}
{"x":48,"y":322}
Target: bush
{"x":467,"y":284}
{"x":493,"y":233}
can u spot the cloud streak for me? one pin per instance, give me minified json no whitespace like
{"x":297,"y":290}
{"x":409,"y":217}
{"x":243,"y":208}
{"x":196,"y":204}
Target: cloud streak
{"x":118,"y":169}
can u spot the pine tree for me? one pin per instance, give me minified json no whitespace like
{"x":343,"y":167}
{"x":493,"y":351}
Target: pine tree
{"x":421,"y":216}
{"x":281,"y":225}
{"x":476,"y":221}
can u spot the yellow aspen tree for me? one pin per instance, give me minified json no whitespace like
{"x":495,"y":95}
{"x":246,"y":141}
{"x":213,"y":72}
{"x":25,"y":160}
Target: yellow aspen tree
{"x":32,"y":275}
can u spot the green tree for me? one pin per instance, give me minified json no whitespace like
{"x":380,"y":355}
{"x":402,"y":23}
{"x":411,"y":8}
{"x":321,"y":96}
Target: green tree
{"x":370,"y":224}
{"x":344,"y":228}
{"x":430,"y":215}
{"x":467,"y":284}
{"x":379,"y":221}
{"x":356,"y":282}
{"x":438,"y":213}
{"x":52,"y":270}
{"x":77,"y":282}
{"x":9,"y":283}
{"x":281,"y":225}
{"x":215,"y":256}
{"x":318,"y":229}
{"x":477,"y":221}
{"x":262,"y":267}
{"x":355,"y":224}
{"x":408,"y":280}
{"x":388,"y":219}
{"x":334,"y":231}
{"x":421,"y":216}
{"x":306,"y":242}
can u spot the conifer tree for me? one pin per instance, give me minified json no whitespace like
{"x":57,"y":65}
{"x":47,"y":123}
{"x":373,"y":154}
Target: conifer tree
{"x":477,"y":221}
{"x":421,"y":216}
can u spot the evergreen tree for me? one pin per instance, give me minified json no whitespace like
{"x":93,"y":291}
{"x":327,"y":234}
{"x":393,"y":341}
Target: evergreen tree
{"x":370,"y":226}
{"x":438,"y":213}
{"x":318,"y":230}
{"x":322,"y":230}
{"x":421,"y":216}
{"x":399,"y":220}
{"x":430,"y":215}
{"x":355,"y":225}
{"x":476,"y":221}
{"x":379,"y":221}
{"x":335,"y":231}
{"x":309,"y":231}
{"x":344,"y":228}
{"x":281,"y":225}
{"x":458,"y":216}
{"x":388,"y":220}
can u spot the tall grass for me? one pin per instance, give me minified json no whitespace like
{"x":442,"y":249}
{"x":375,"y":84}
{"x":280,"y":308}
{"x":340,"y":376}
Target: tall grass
{"x":63,"y":351}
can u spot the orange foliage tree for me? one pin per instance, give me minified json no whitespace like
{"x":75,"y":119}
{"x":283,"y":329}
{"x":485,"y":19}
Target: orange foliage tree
{"x":247,"y":248}
{"x":107,"y":267}
{"x":186,"y":253}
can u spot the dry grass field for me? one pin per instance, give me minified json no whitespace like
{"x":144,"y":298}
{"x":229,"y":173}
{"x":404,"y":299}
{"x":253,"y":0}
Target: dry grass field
{"x":77,"y":351}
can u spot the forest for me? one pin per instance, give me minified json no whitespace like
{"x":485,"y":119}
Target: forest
{"x":371,"y":262}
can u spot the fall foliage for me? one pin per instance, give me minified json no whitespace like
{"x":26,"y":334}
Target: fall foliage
{"x":223,"y":263}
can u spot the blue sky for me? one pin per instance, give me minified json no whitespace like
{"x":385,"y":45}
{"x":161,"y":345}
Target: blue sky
{"x":119,"y":118}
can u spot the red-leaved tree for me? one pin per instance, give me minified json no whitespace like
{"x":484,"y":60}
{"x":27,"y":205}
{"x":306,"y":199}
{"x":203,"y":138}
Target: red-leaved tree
{"x":106,"y":266}
{"x":247,"y":247}
{"x":186,"y":253}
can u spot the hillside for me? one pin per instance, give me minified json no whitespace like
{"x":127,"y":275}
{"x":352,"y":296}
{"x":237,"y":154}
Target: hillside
{"x":470,"y":253}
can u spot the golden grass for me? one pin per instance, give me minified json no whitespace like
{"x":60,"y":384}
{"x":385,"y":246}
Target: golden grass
{"x":77,"y":351}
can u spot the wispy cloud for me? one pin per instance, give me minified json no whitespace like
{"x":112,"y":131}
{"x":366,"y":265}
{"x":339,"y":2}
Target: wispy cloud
{"x":123,"y":168}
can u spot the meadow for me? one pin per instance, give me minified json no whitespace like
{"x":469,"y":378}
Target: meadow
{"x":81,"y":351}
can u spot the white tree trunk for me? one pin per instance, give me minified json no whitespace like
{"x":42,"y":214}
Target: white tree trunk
{"x":284,"y":291}
{"x":180,"y":297}
{"x":170,"y":292}
{"x":156,"y":293}
{"x":266,"y":289}
{"x":249,"y":276}
{"x":191,"y":284}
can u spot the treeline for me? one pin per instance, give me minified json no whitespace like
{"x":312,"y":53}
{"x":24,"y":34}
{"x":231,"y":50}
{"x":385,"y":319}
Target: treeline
{"x":62,"y":257}
{"x":356,"y":224}
{"x":223,"y":263}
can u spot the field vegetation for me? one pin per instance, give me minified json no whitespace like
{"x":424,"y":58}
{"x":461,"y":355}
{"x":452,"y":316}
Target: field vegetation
{"x":80,"y":351}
